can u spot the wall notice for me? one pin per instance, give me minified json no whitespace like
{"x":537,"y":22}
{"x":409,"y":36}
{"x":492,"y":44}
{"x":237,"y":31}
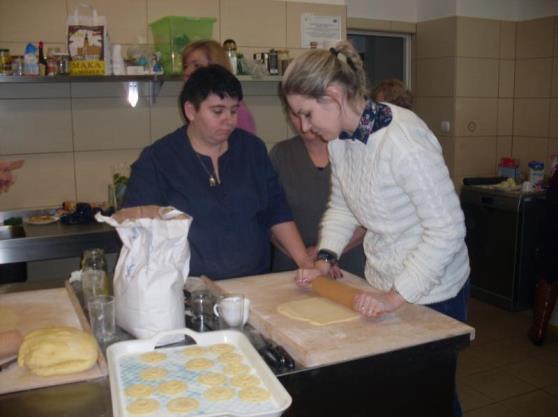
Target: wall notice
{"x":324,"y":30}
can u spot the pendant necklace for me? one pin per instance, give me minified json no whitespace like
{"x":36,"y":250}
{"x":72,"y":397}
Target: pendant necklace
{"x":213,"y":180}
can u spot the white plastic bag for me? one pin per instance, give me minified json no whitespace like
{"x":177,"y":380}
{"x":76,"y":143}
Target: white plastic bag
{"x":86,"y":34}
{"x":152,"y":268}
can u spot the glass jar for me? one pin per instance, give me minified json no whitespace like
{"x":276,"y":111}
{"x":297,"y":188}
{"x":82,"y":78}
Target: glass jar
{"x":17,"y":65}
{"x":63,"y":62}
{"x":94,"y":276}
{"x":5,"y":62}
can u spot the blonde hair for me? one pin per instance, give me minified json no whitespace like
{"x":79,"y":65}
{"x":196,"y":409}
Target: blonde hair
{"x":395,"y":91}
{"x":213,"y":51}
{"x":312,"y":72}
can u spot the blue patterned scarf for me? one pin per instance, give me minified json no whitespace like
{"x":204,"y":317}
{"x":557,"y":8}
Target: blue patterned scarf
{"x":374,"y":117}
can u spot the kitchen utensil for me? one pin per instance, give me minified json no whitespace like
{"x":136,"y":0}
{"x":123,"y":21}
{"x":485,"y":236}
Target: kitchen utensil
{"x":122,"y":375}
{"x":334,"y":290}
{"x":234,"y":309}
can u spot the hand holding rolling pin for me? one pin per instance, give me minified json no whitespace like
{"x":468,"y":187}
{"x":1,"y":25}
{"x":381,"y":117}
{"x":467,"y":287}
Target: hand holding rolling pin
{"x":369,"y":304}
{"x":6,"y":176}
{"x":376,"y":304}
{"x":304,"y":276}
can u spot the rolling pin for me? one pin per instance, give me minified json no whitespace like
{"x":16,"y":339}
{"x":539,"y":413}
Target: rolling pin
{"x":9,"y":343}
{"x":334,"y":291}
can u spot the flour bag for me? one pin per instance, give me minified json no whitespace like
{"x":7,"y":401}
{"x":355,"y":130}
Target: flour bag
{"x":152,"y":268}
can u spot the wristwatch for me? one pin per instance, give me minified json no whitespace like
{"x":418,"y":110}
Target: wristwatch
{"x":327,"y":256}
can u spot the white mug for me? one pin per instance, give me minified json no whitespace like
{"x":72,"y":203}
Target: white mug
{"x":233,"y":309}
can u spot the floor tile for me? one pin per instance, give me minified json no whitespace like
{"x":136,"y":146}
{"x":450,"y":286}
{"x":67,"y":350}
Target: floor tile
{"x":494,"y":410}
{"x":471,"y":399}
{"x":534,"y":404}
{"x":552,"y":390}
{"x":535,"y":371}
{"x":498,"y":384}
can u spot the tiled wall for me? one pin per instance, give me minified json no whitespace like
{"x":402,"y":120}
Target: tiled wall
{"x":71,"y":134}
{"x":496,"y":82}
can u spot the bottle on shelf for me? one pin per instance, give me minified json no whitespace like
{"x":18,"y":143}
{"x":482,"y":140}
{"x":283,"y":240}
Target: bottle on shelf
{"x":230,"y":48}
{"x":42,"y":60}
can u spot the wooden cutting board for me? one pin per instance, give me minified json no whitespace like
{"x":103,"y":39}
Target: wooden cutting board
{"x":44,"y":308}
{"x":313,"y":346}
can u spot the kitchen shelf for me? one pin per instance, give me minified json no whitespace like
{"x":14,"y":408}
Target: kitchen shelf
{"x":30,"y":79}
{"x":154,"y":82}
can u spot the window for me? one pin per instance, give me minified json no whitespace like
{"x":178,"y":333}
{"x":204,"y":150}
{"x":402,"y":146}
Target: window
{"x":385,"y":55}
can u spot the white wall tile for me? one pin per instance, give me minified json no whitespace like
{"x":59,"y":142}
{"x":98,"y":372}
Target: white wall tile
{"x":165,"y":117}
{"x":23,"y":21}
{"x":34,"y":90}
{"x":45,"y":180}
{"x":271,"y":124}
{"x":110,"y":123}
{"x":35,"y":125}
{"x":94,"y":174}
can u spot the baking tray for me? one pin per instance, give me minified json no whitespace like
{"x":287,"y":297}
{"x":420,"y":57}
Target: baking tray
{"x":125,"y":367}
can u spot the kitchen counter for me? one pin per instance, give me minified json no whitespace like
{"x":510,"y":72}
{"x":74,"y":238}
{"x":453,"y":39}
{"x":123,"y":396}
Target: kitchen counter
{"x":417,"y":380}
{"x":57,"y":240}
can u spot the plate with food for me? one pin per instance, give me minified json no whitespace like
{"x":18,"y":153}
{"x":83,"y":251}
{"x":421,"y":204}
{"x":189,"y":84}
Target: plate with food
{"x":41,"y":219}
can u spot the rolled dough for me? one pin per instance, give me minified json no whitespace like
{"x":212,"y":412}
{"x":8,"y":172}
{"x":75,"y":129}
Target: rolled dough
{"x":57,"y":351}
{"x":317,"y":311}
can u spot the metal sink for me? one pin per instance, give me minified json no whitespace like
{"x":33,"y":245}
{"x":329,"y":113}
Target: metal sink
{"x":11,"y":232}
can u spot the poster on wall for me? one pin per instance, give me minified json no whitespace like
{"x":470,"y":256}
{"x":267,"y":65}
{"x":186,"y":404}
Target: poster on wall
{"x":324,"y":30}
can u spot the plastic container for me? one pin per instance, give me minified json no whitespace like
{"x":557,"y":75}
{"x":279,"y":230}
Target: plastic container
{"x":509,"y":168}
{"x":124,"y":369}
{"x":172,"y":33}
{"x":536,"y":173}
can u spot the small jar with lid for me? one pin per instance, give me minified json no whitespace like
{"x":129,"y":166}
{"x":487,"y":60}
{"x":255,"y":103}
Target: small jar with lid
{"x":63,"y":63}
{"x":5,"y":62}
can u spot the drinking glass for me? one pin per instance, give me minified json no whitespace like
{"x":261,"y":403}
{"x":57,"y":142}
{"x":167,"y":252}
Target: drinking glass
{"x":102,"y":317}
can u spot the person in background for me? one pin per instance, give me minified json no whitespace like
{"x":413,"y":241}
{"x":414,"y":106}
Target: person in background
{"x":223,"y":178}
{"x":388,"y":176}
{"x":204,"y":52}
{"x":546,"y":291}
{"x":393,"y":90}
{"x":7,"y":177}
{"x":302,"y":163}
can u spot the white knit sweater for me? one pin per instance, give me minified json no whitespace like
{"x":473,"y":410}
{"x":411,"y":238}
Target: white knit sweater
{"x":397,"y":186}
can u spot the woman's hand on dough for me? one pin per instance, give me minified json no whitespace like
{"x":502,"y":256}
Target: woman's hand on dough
{"x":377,"y":304}
{"x":304,"y":276}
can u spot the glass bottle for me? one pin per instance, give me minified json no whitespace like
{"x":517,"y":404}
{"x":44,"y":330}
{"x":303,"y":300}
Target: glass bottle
{"x":94,"y":276}
{"x":42,"y":59}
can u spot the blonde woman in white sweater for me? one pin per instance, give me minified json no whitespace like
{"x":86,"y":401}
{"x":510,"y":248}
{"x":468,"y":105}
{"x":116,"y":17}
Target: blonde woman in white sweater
{"x":389,"y":176}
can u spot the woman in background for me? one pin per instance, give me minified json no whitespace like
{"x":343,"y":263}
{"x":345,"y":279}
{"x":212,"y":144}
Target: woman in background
{"x":204,"y":52}
{"x":393,"y":90}
{"x":546,"y":292}
{"x":302,"y":163}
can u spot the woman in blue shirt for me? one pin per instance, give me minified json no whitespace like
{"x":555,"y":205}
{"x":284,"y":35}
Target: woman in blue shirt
{"x":223,"y":178}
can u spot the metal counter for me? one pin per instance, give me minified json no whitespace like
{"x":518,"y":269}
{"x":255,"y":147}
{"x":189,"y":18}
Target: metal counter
{"x":56,"y":240}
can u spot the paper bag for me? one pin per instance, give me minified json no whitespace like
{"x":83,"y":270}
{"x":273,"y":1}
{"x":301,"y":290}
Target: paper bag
{"x":152,"y":268}
{"x":86,"y":34}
